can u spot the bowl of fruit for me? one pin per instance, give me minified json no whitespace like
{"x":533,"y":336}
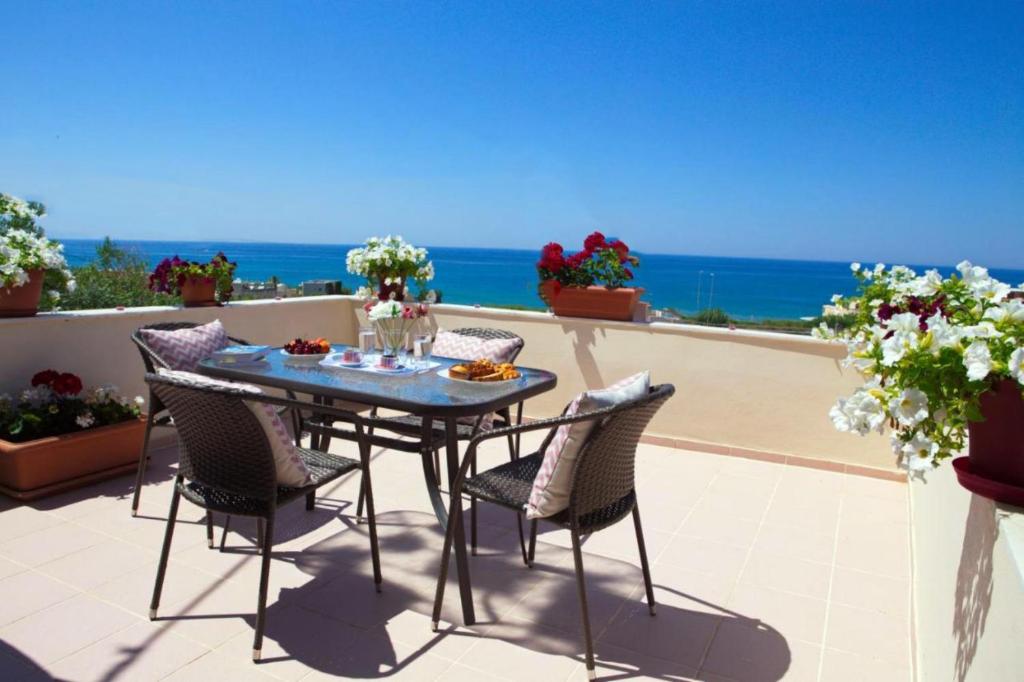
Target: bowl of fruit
{"x":301,"y":351}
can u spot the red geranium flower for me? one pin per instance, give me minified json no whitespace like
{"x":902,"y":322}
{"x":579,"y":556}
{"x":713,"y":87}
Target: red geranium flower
{"x":594,"y":242}
{"x":623,"y":250}
{"x":45,"y":378}
{"x":67,"y":384}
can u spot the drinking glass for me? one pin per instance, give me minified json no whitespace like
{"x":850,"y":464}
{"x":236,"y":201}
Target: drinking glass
{"x":367,"y":340}
{"x":423,"y":346}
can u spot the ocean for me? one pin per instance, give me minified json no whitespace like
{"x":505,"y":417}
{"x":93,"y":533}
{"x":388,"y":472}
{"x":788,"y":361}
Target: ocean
{"x":746,"y":288}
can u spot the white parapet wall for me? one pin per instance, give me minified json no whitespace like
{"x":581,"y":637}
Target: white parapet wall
{"x":968,"y":583}
{"x":737,"y":391}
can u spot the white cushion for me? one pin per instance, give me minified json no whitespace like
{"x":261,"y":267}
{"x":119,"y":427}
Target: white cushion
{"x":553,"y":483}
{"x":291,"y":471}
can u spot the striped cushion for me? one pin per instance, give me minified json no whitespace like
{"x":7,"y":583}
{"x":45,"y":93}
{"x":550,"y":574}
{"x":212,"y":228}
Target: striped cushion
{"x":291,"y":471}
{"x":469,"y":348}
{"x":182,"y":349}
{"x":553,"y":483}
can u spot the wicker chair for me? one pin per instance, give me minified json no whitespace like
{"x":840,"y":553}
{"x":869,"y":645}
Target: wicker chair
{"x":603,"y":488}
{"x":226,"y":466}
{"x":413,"y":425}
{"x":157,"y":414}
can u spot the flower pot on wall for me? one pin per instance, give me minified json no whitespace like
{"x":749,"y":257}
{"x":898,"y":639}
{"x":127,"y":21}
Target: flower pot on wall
{"x":994,"y":466}
{"x":197,"y":292}
{"x":594,"y":302}
{"x":22,"y":301}
{"x":45,"y":466}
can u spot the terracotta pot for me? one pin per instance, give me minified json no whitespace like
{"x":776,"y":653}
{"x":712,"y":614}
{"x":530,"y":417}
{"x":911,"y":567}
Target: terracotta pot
{"x":384,"y":291}
{"x":22,"y":301}
{"x":996,"y":445}
{"x":593,"y":302}
{"x":48,"y":465}
{"x":197,"y":292}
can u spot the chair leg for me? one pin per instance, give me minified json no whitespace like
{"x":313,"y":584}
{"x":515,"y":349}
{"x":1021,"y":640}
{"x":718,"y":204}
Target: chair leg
{"x":533,"y":543}
{"x":224,"y":533}
{"x":161,"y":569}
{"x":437,"y":468}
{"x":362,"y":499}
{"x":143,"y":457}
{"x":522,"y":540}
{"x":371,"y":516}
{"x":261,"y":531}
{"x":581,"y":587}
{"x":472,"y":512}
{"x":442,"y":574}
{"x":311,"y":500}
{"x":267,"y":543}
{"x":652,"y":607}
{"x":209,"y":529}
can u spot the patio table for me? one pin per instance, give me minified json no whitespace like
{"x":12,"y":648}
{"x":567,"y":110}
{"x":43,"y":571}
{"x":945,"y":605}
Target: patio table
{"x":423,"y":393}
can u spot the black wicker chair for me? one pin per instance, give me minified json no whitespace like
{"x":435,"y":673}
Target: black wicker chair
{"x":603,"y":489}
{"x":226,"y":466}
{"x":157,"y":413}
{"x":413,"y":425}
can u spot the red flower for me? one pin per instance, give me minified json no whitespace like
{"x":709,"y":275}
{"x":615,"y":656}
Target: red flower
{"x":576,"y":260}
{"x":594,"y":242}
{"x":408,"y":313}
{"x":45,"y":378}
{"x":629,"y":273}
{"x":551,"y":258}
{"x":623,"y":250}
{"x":67,"y":384}
{"x":367,"y":306}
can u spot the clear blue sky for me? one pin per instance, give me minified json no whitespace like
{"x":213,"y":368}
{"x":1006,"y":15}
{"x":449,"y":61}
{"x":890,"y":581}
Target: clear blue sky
{"x":872,"y":131}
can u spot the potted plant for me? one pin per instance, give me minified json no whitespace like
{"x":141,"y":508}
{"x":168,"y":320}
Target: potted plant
{"x":198,"y":284}
{"x":943,"y":364}
{"x":388,"y":265}
{"x":55,"y":436}
{"x":589,"y":283}
{"x":33,"y":272}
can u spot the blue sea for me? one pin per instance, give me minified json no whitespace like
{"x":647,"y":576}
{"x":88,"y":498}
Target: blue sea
{"x":746,"y":288}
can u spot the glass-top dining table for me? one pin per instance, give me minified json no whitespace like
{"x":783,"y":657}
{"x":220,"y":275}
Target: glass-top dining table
{"x":427,"y":393}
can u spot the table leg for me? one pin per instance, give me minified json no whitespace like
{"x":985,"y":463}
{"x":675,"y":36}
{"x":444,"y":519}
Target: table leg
{"x":461,"y":560}
{"x":430,"y":473}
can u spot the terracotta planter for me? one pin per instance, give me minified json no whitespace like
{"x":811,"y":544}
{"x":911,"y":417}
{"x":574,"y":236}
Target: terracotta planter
{"x":198,"y":292}
{"x":996,"y":445}
{"x":593,"y":302}
{"x":22,"y":301}
{"x":48,"y":465}
{"x":384,"y":291}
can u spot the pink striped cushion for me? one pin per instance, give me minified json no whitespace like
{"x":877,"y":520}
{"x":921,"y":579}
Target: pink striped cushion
{"x":553,"y":483}
{"x":459,"y":347}
{"x":182,"y":349}
{"x":291,"y":470}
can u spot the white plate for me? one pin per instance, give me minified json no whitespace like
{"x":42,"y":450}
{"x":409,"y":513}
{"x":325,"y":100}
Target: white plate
{"x":335,"y":360}
{"x":303,"y":359}
{"x":444,"y":374}
{"x":240,"y":353}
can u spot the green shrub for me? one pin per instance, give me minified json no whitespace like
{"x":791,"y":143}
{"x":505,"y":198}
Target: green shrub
{"x":116,"y":277}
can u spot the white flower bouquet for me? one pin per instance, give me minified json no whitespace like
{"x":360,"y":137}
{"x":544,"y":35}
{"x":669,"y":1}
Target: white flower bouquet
{"x":388,"y":264}
{"x":393,"y":321}
{"x":928,"y":348}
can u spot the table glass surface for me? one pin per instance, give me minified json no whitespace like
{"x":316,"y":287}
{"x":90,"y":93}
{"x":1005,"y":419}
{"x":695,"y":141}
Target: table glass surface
{"x":419,"y":392}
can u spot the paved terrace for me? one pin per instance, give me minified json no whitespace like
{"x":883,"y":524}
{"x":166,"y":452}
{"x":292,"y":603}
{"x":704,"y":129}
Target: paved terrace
{"x":762,"y":572}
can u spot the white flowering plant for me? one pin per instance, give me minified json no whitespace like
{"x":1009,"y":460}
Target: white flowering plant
{"x":928,"y":348}
{"x":393,"y":321}
{"x":388,"y":264}
{"x":24,"y":248}
{"x":57,"y":403}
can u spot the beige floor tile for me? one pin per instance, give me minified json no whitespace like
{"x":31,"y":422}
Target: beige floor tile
{"x":795,"y":542}
{"x":841,"y":666}
{"x":93,"y":566}
{"x":51,"y":543}
{"x":874,"y":548}
{"x":755,"y":469}
{"x":14,"y":665}
{"x":813,"y":511}
{"x":677,"y":633}
{"x":8,"y":567}
{"x":749,"y":653}
{"x":216,"y":614}
{"x":703,"y":556}
{"x":26,"y":593}
{"x":140,"y":652}
{"x":463,"y":673}
{"x":65,"y":627}
{"x":374,"y":656}
{"x":133,"y":590}
{"x":797,"y":480}
{"x":787,"y":574}
{"x":890,"y":596}
{"x":23,"y":520}
{"x":414,"y":628}
{"x":616,"y":663}
{"x":525,"y":651}
{"x":868,"y":633}
{"x":875,"y":510}
{"x":711,"y":524}
{"x":795,"y":617}
{"x":217,"y":666}
{"x":874,"y":487}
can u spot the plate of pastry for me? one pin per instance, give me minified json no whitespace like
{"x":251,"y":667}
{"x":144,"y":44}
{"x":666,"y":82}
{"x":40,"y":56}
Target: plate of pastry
{"x":481,"y":372}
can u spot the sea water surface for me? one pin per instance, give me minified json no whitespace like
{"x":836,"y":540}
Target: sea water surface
{"x":746,"y":288}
